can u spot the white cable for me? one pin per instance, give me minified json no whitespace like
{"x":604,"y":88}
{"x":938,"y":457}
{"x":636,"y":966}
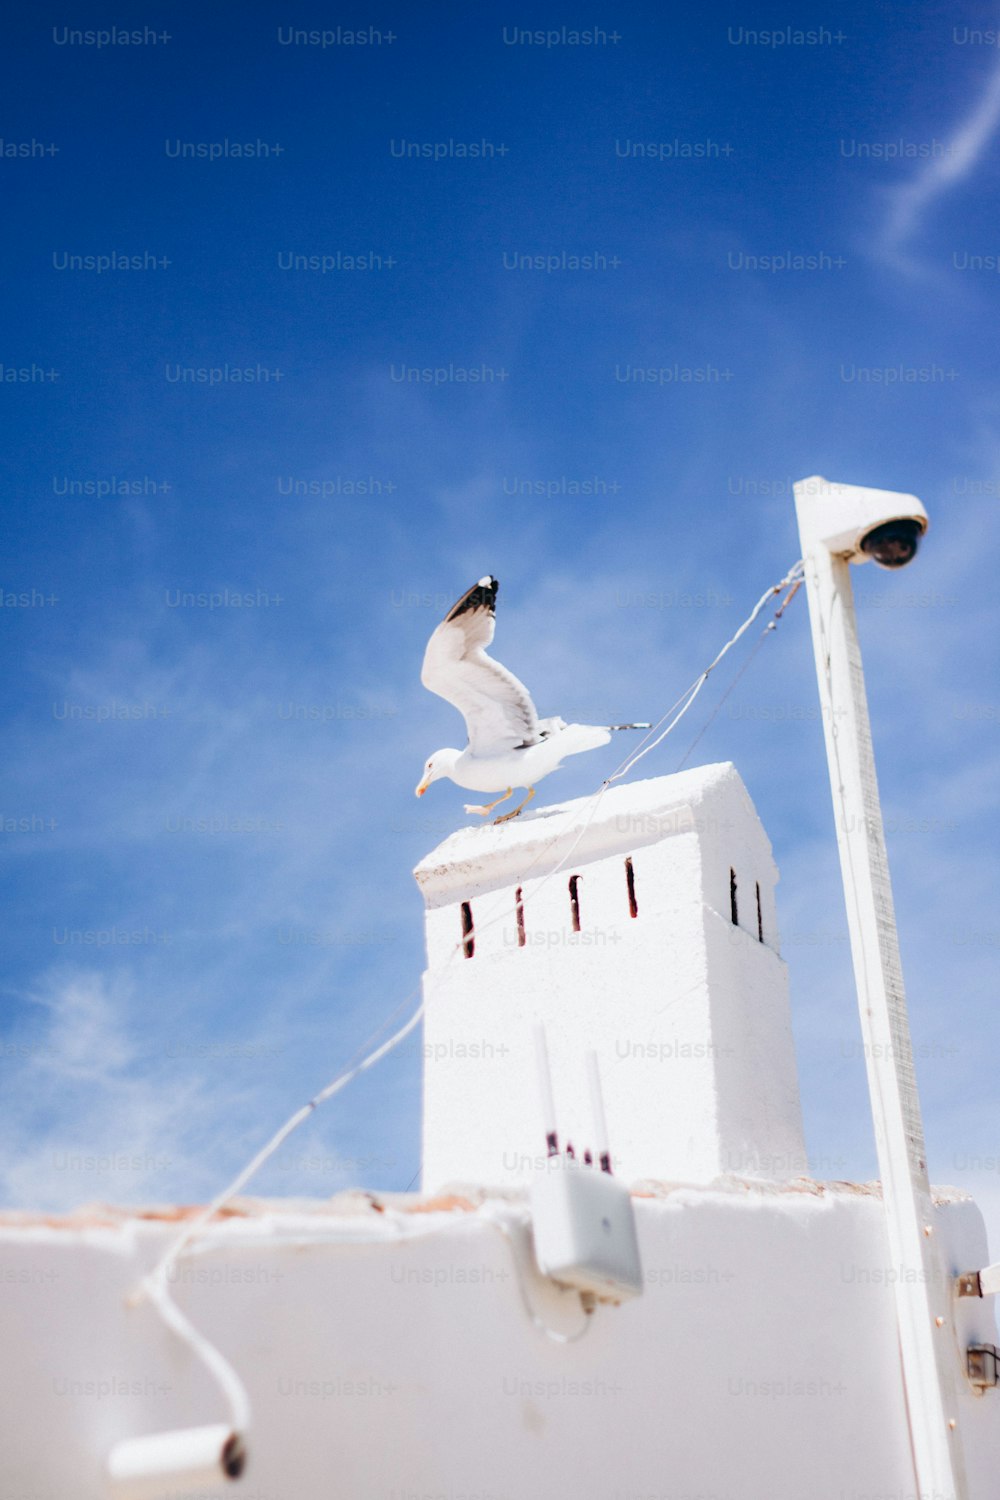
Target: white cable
{"x":155,"y":1285}
{"x":215,"y":1362}
{"x":170,"y":1255}
{"x":793,"y":575}
{"x":539,"y":1323}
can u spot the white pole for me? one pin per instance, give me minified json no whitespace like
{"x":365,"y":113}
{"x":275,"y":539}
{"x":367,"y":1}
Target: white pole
{"x":922,"y":1290}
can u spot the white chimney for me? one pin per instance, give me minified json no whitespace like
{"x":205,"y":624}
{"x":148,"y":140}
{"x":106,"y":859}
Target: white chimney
{"x":655,"y":944}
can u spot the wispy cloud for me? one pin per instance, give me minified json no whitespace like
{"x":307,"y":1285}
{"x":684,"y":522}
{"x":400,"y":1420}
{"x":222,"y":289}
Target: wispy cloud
{"x":87,"y":1120}
{"x":912,"y":200}
{"x":110,"y":1101}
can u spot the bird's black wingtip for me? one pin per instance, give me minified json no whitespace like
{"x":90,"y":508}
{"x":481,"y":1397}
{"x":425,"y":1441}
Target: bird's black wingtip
{"x":482,"y":595}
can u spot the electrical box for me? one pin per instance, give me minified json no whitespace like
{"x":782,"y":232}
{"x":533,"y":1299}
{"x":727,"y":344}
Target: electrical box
{"x":584,"y":1227}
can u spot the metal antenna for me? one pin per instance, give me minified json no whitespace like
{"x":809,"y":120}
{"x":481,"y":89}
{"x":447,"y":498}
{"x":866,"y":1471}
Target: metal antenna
{"x":597,"y":1111}
{"x":545,"y":1091}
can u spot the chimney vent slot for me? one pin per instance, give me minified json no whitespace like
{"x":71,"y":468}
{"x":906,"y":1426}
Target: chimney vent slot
{"x":574,"y":901}
{"x":733,"y":908}
{"x":633,"y":908}
{"x":760,"y":917}
{"x":519,"y":914}
{"x":468,"y":940}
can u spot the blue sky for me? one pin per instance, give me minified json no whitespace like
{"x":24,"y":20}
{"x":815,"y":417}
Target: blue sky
{"x":234,"y":784}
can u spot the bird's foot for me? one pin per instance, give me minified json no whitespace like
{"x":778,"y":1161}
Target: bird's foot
{"x":484,"y":812}
{"x":505,"y":817}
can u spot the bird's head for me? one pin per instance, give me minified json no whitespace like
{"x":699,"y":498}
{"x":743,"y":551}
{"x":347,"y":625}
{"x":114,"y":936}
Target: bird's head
{"x":441,"y":763}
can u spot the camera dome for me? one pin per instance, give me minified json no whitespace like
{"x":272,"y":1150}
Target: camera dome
{"x":894,"y":544}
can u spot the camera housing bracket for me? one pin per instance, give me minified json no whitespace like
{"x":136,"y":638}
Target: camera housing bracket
{"x":840,"y":516}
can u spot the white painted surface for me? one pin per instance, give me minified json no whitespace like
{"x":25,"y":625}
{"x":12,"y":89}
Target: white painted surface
{"x":688,"y":1014}
{"x":388,"y":1354}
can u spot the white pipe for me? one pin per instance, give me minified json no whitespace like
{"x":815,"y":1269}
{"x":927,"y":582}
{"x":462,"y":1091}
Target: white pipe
{"x":186,"y":1462}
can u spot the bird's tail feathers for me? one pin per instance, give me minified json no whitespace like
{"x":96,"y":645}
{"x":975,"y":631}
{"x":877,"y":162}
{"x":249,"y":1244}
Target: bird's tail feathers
{"x":577,"y":737}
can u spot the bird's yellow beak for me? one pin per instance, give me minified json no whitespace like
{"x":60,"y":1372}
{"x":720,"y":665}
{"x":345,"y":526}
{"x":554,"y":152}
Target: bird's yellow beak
{"x":421,"y":789}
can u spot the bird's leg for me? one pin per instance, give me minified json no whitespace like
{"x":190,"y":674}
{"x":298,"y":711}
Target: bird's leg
{"x":484,"y":812}
{"x":504,"y":816}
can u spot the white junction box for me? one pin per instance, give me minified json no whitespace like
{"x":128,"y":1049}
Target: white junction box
{"x":584,"y":1227}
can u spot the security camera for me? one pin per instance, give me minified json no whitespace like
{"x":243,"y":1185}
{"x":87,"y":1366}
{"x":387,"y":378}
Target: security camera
{"x":858,"y":523}
{"x":894,"y":544}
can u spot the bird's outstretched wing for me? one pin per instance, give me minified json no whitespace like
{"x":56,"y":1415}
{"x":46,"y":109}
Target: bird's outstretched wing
{"x":497,"y":708}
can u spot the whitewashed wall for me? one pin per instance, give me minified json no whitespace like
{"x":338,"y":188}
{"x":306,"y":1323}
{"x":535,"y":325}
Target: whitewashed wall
{"x":388,"y":1354}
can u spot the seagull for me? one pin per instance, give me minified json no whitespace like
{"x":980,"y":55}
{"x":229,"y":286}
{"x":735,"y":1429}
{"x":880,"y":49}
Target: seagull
{"x":509,"y":745}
